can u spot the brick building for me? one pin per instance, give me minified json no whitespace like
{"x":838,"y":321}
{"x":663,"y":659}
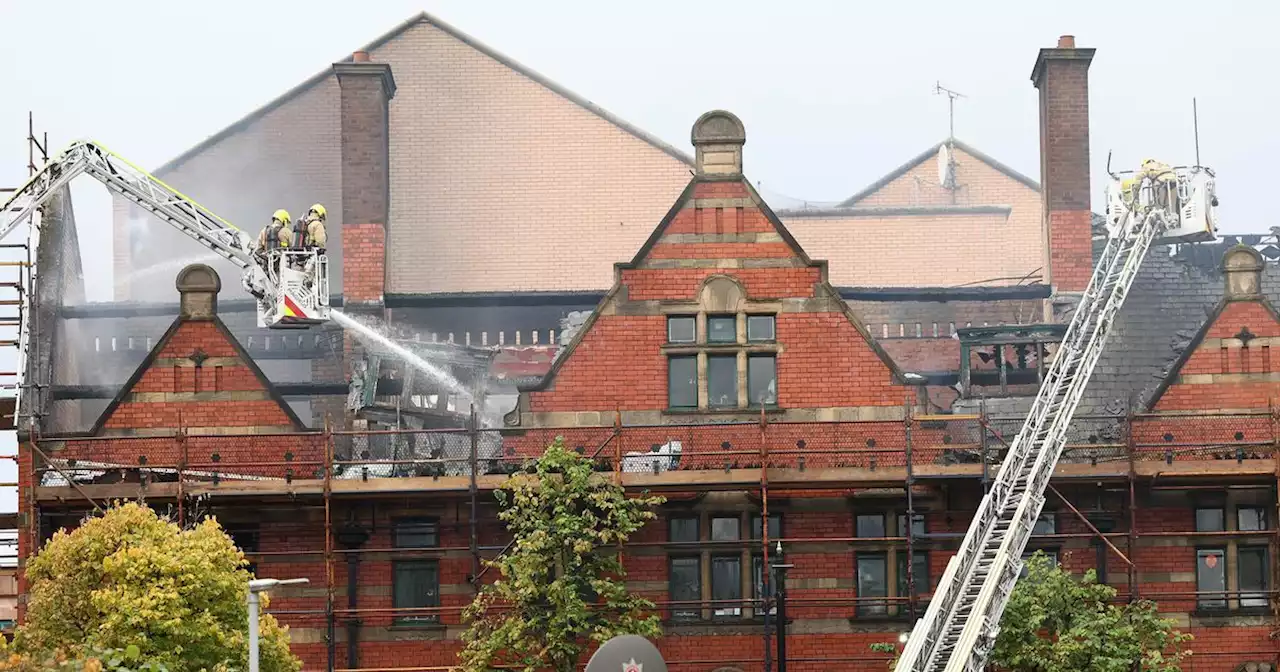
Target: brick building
{"x":725,"y":364}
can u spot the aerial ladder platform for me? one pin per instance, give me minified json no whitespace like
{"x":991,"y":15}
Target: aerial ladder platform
{"x":291,"y":285}
{"x":958,"y":630}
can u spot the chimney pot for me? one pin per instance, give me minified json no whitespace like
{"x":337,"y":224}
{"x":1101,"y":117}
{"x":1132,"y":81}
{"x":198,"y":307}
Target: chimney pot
{"x":360,"y":57}
{"x":718,"y":137}
{"x":1067,"y":42}
{"x":198,"y":287}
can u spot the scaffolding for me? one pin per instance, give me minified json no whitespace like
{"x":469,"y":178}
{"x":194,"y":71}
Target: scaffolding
{"x":1115,"y":460}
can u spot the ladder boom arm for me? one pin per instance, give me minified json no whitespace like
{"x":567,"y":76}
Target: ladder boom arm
{"x":122,"y":177}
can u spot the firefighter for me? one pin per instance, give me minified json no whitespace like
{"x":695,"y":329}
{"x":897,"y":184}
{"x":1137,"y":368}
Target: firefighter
{"x":275,"y":235}
{"x":316,"y":236}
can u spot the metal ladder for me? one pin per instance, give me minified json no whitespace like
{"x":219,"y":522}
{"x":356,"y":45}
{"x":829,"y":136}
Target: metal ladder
{"x":960,"y":626}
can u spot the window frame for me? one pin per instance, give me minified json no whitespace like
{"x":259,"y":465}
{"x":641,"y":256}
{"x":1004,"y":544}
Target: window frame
{"x":397,"y":566}
{"x":732,"y":361}
{"x":866,"y":609}
{"x":674,"y":317}
{"x":1263,"y":517}
{"x":1222,"y":518}
{"x":671,"y":386}
{"x":724,"y":611}
{"x":685,"y":613}
{"x":1259,"y":597}
{"x":400,"y":522}
{"x":902,"y":588}
{"x":731,"y":318}
{"x":857,"y":525}
{"x":1203,"y":602}
{"x":773,"y":327}
{"x":751,"y":398}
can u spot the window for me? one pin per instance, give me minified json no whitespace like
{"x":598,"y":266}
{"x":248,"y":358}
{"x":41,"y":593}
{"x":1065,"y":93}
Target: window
{"x":872,"y":584}
{"x":760,"y":328}
{"x":1210,"y":520}
{"x":1251,"y":569}
{"x":1047,"y":523}
{"x":416,"y":584}
{"x":775,"y":527}
{"x":245,"y":536}
{"x":684,"y":529}
{"x":724,"y":528}
{"x":762,"y":380}
{"x":870,"y":525}
{"x":1052,"y":555}
{"x":726,"y":585}
{"x":722,"y":329}
{"x":722,"y":381}
{"x":919,"y":572}
{"x":682,"y":329}
{"x":917,"y":525}
{"x":1251,"y":519}
{"x":1211,"y":577}
{"x":686,"y":586}
{"x":682,"y":382}
{"x":415,"y":533}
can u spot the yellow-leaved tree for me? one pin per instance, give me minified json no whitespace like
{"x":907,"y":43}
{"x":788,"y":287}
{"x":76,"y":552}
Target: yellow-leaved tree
{"x":130,"y":580}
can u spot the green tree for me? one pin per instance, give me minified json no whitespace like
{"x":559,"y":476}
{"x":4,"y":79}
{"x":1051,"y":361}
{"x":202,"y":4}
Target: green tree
{"x":130,"y":581}
{"x":1056,"y":622}
{"x":561,"y":584}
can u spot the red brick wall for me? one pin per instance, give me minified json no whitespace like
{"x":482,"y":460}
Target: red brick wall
{"x":619,"y":364}
{"x":363,"y":262}
{"x":1212,"y":358}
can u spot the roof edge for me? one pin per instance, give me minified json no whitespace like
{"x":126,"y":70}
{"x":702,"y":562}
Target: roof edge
{"x":924,"y":156}
{"x":424,"y":17}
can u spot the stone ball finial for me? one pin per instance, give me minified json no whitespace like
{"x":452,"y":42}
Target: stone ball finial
{"x":718,"y":137}
{"x":1242,"y":265}
{"x":198,"y":287}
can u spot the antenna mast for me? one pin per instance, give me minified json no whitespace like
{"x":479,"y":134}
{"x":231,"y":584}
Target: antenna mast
{"x":938,"y":88}
{"x":1195,"y":124}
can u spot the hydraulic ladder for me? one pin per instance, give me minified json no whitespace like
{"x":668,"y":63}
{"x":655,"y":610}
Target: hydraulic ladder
{"x":960,"y":626}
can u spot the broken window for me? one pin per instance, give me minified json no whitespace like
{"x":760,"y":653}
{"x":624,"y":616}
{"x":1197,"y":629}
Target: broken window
{"x":722,"y":329}
{"x":722,"y":381}
{"x":682,"y":382}
{"x":1251,"y":518}
{"x":762,"y":380}
{"x":682,"y":329}
{"x":760,"y":328}
{"x":1047,"y":523}
{"x":917,"y":525}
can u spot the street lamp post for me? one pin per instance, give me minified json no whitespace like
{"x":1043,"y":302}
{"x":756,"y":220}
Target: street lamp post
{"x":259,"y":586}
{"x":780,"y":594}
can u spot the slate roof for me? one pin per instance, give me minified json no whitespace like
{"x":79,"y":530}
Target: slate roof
{"x":1176,"y":290}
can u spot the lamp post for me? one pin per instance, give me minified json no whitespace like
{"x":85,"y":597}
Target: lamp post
{"x":780,"y":594}
{"x":259,"y":586}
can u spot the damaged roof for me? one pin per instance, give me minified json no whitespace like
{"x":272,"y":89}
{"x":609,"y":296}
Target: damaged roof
{"x":1175,"y":292}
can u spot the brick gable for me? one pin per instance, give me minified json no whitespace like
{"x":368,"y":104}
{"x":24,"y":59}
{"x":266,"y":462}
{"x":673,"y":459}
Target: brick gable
{"x":198,"y":378}
{"x":1230,"y":364}
{"x":718,"y":231}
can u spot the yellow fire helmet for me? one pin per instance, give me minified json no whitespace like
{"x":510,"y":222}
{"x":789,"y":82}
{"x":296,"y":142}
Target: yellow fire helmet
{"x":319,"y":210}
{"x":282,"y":215}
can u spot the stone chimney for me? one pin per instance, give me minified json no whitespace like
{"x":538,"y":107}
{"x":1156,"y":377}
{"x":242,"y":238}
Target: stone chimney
{"x":718,"y":137}
{"x":1062,"y":76}
{"x":366,"y":91}
{"x":198,"y":287}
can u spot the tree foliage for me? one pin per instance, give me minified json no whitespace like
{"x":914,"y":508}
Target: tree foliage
{"x":561,"y":584}
{"x":1056,"y":622}
{"x":130,"y":581}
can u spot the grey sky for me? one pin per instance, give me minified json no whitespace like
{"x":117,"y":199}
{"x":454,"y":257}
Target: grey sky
{"x":833,"y":94}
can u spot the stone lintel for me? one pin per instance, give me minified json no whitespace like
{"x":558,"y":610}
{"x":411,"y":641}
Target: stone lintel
{"x":698,"y":203}
{"x":1213,"y":378}
{"x":160,"y":397}
{"x":767,"y":262}
{"x":751,"y":237}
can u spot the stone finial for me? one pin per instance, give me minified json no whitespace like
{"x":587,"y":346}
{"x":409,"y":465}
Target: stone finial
{"x":198,"y":287}
{"x":1242,"y":266}
{"x":718,"y":137}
